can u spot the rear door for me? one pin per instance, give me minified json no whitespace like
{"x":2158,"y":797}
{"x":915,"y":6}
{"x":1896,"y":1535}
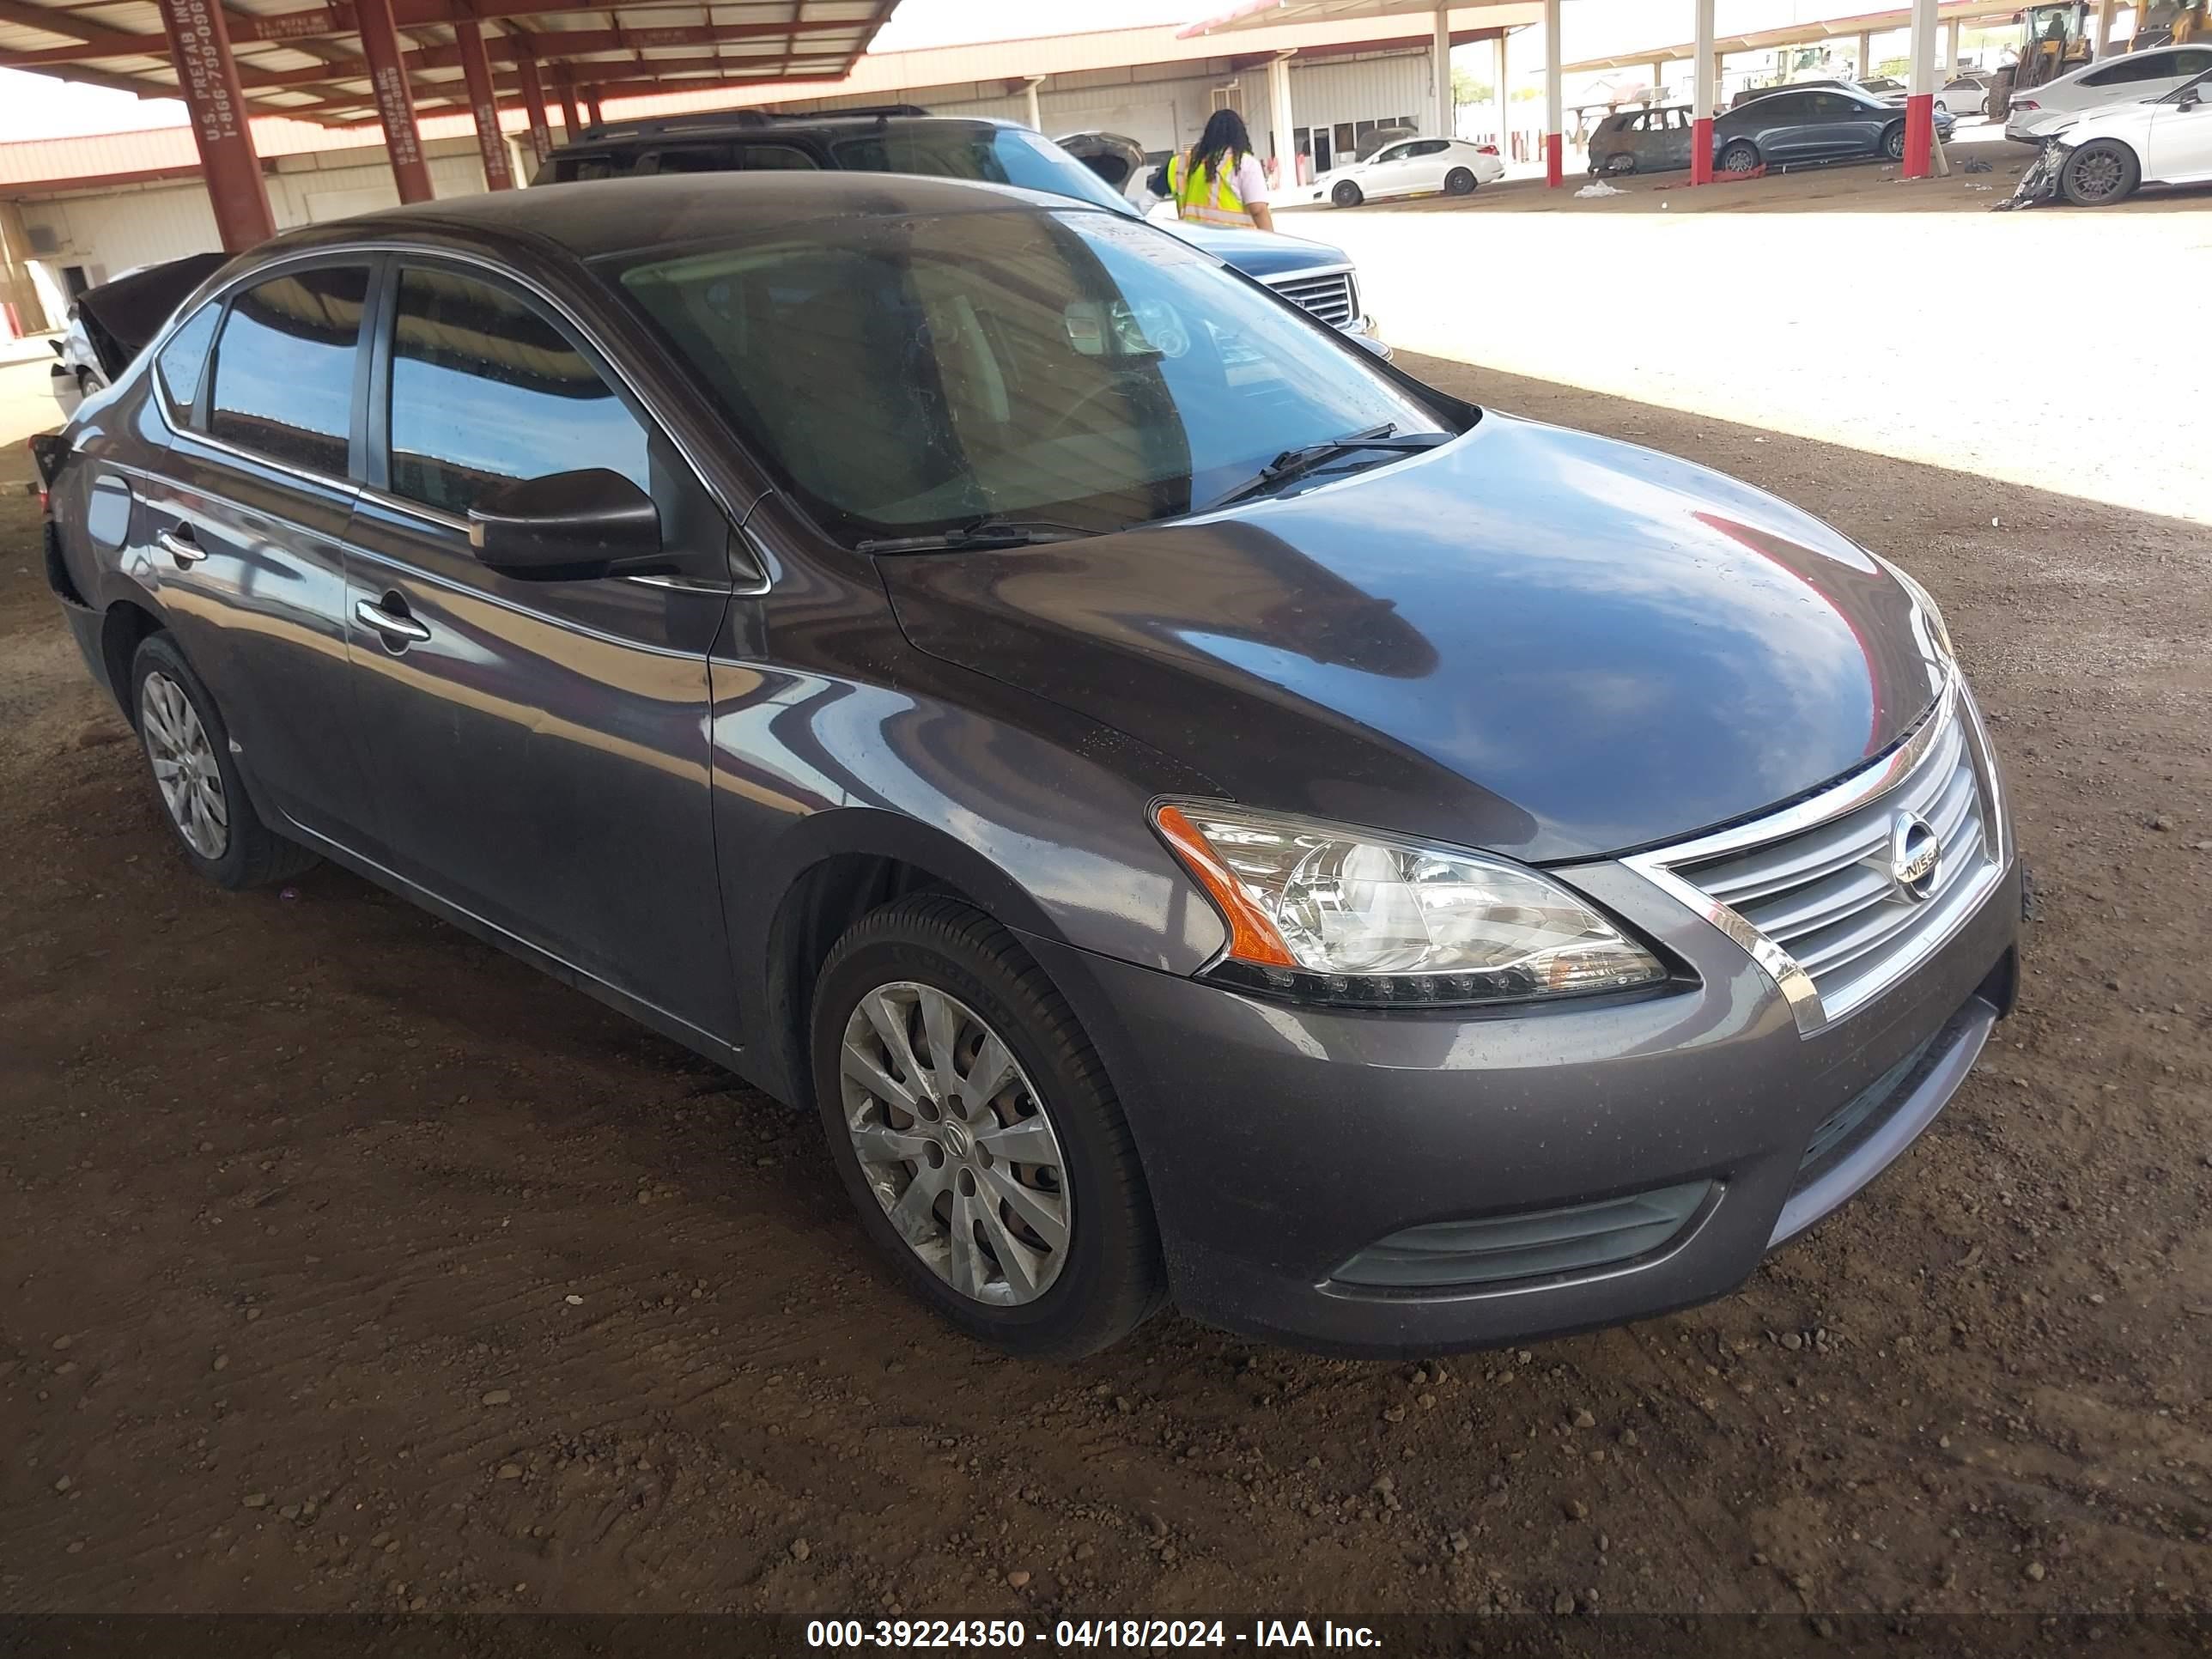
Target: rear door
{"x":1781,"y":125}
{"x":1842,"y":126}
{"x":539,"y":747}
{"x":1668,"y":139}
{"x":245,"y":538}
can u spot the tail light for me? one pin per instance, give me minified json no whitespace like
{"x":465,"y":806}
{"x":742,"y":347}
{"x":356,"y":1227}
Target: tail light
{"x":1487,"y":150}
{"x":2026,"y":103}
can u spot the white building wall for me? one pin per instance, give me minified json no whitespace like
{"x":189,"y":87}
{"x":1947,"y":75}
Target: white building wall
{"x":109,"y":231}
{"x":1170,"y":113}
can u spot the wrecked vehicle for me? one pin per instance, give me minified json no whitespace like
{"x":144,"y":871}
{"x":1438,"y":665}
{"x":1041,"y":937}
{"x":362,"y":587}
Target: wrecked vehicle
{"x":2105,"y":157}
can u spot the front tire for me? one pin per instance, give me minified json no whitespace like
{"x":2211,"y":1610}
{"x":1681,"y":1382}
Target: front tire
{"x":2102,"y":172}
{"x":187,"y":748}
{"x":1346,"y":194}
{"x":978,"y":1134}
{"x":1892,"y":141}
{"x":1459,"y":181}
{"x":1742,"y":156}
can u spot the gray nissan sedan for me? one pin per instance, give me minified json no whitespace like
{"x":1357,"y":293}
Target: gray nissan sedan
{"x":1198,"y":813}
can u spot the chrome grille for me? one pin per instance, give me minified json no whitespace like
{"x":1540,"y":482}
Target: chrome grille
{"x":1810,"y":892}
{"x":1328,"y":296}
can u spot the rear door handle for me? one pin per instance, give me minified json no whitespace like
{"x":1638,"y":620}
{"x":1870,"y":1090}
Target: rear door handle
{"x":370,"y":614}
{"x":179,"y":545}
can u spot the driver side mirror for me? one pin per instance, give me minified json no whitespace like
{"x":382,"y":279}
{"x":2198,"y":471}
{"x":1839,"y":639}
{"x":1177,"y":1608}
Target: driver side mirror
{"x":566,"y":526}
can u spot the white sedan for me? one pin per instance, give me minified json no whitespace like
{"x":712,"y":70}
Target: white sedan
{"x":1412,"y":168}
{"x":2168,"y":141}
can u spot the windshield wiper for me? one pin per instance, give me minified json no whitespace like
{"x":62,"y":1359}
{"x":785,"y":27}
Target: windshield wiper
{"x":989,"y":531}
{"x":1293,"y":464}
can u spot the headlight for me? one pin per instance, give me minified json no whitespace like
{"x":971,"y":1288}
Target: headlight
{"x":1339,"y":914}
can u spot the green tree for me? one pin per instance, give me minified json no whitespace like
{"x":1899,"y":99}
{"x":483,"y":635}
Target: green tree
{"x":1467,"y":89}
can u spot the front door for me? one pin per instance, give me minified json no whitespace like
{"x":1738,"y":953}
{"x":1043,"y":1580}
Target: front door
{"x":244,"y":539}
{"x":539,"y":747}
{"x":2178,"y":150}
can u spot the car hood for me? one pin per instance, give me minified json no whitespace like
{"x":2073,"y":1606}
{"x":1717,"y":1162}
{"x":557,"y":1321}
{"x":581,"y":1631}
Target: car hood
{"x":1260,"y":253}
{"x":1530,"y":639}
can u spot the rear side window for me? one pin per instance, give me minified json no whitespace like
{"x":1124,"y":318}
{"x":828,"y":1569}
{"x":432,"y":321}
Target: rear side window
{"x":185,"y":357}
{"x":486,"y":390}
{"x":284,"y":368}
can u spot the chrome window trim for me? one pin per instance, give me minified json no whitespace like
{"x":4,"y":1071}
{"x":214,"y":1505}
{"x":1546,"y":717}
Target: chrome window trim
{"x":520,"y":279}
{"x":1810,"y":1009}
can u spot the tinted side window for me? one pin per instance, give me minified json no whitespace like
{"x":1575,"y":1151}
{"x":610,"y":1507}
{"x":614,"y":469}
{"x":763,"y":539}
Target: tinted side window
{"x":185,"y":356}
{"x":2195,"y":61}
{"x":484,"y":389}
{"x":774,"y":158}
{"x":283,"y":369}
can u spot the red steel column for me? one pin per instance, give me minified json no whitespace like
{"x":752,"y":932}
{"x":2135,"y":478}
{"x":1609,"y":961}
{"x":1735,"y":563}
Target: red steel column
{"x":1920,"y":95}
{"x":207,"y":77}
{"x":475,"y":68}
{"x":1706,"y":95}
{"x":533,"y":102}
{"x":591,"y":106}
{"x":1555,"y":114}
{"x":572,"y":119}
{"x":395,"y":105}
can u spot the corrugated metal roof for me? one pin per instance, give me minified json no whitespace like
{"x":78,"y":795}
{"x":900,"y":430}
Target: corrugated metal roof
{"x":305,"y":58}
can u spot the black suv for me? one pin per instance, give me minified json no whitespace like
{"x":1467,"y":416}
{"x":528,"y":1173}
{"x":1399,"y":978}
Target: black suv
{"x":906,"y":139}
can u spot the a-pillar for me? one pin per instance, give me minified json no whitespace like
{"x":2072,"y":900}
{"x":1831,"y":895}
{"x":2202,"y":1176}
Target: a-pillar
{"x":1706,"y":94}
{"x":1504,"y":103}
{"x":207,"y":77}
{"x":476,"y":69}
{"x":572,"y":118}
{"x":395,"y":105}
{"x":1920,"y":94}
{"x":1555,"y":111}
{"x":1440,"y":72}
{"x":1282,"y":123}
{"x":533,"y":102}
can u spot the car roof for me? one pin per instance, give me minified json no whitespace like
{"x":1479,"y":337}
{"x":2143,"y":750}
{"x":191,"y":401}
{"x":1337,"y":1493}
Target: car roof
{"x":612,"y":215}
{"x":768,"y":124}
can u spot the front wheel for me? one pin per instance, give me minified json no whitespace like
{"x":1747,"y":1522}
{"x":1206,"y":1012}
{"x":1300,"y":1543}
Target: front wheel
{"x":1892,"y":142}
{"x":1742,"y":156}
{"x":979,"y":1135}
{"x":1459,"y":181}
{"x":2102,"y":172}
{"x":1346,"y":194}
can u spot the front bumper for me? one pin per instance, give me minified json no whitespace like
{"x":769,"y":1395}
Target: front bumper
{"x":1281,"y":1142}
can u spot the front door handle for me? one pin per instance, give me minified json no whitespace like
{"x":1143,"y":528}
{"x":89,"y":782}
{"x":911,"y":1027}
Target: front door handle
{"x":370,"y":614}
{"x":179,"y":545}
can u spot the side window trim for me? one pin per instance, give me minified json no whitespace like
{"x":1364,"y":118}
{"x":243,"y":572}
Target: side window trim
{"x":201,"y":422}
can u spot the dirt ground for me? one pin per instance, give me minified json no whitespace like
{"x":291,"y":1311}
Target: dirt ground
{"x":348,"y":1265}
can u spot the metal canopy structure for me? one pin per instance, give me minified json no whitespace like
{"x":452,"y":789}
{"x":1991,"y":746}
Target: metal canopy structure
{"x":1813,"y":30}
{"x":347,"y":61}
{"x":315,"y":63}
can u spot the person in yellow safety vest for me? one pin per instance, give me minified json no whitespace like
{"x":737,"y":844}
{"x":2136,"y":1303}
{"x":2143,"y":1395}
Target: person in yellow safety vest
{"x":1220,"y":181}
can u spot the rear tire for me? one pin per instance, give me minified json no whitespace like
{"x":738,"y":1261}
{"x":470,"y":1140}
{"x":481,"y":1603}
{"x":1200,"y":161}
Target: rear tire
{"x":196,"y":781}
{"x":1018,"y":1211}
{"x":1346,"y":194}
{"x":1615,"y":166}
{"x":2102,"y":172}
{"x":1459,"y":181}
{"x":1742,"y":156}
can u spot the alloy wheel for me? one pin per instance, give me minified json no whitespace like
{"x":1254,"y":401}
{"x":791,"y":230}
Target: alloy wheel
{"x":2097,"y":175}
{"x":954,"y":1143}
{"x":184,"y":765}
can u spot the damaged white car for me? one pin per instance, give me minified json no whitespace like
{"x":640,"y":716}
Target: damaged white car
{"x":2103,"y":157}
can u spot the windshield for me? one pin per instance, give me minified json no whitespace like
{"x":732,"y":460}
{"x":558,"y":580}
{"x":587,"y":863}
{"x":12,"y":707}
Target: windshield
{"x":902,"y":375}
{"x":991,"y":155}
